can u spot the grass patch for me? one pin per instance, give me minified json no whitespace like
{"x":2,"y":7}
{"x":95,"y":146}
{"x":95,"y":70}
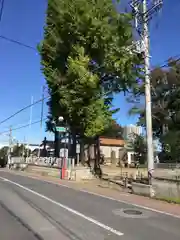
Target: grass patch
{"x":169,"y":199}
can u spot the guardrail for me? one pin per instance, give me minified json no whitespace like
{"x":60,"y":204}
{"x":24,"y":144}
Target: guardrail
{"x":167,"y":165}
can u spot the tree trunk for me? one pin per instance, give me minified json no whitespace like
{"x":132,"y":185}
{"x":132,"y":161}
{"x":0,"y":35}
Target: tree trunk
{"x":89,"y":156}
{"x":82,"y":157}
{"x":74,"y":146}
{"x":56,"y":144}
{"x":97,"y":167}
{"x":95,"y":156}
{"x":97,"y":151}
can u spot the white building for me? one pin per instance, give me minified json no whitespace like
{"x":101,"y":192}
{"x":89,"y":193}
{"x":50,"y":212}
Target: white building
{"x":131,"y":129}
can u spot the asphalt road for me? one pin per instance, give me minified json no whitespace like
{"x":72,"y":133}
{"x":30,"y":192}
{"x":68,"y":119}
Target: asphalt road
{"x":11,"y":227}
{"x":56,"y":212}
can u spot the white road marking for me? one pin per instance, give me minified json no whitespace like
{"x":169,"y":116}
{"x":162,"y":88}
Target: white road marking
{"x":107,"y":228}
{"x":112,"y":199}
{"x":106,"y":197}
{"x":5,"y":180}
{"x":135,"y":205}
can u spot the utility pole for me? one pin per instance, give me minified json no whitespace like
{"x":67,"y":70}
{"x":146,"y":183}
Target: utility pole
{"x":143,"y":13}
{"x":42,"y":104}
{"x":10,"y":146}
{"x":30,"y":116}
{"x":42,"y":113}
{"x":10,"y":139}
{"x":24,"y":147}
{"x":30,"y":123}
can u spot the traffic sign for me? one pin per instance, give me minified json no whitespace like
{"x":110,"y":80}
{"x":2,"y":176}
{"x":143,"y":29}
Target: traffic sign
{"x":61,"y":129}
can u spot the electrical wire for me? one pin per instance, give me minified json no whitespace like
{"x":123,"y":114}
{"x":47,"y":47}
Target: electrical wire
{"x":19,"y":124}
{"x":17,"y":42}
{"x":47,"y":97}
{"x":24,"y":126}
{"x":22,"y":109}
{"x":175,"y":58}
{"x":34,"y":49}
{"x":1,"y":9}
{"x":40,"y":100}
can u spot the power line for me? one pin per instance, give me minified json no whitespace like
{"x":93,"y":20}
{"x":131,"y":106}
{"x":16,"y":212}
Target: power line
{"x":32,"y":48}
{"x":42,"y":99}
{"x":21,"y":110}
{"x":19,"y":124}
{"x":1,"y":9}
{"x":24,"y":126}
{"x":9,"y":39}
{"x":17,"y":42}
{"x":175,"y":58}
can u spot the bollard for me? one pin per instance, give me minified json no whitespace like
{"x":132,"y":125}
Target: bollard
{"x":150,"y":177}
{"x":126,"y":180}
{"x":73,"y":163}
{"x":63,"y":168}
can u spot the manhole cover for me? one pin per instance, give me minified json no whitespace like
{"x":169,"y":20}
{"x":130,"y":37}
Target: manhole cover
{"x":132,"y":212}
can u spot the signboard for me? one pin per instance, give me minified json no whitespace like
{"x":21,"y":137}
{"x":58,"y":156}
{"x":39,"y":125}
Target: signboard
{"x":77,"y":148}
{"x":63,"y":152}
{"x":61,"y":129}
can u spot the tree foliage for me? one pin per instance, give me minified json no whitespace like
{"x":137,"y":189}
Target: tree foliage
{"x":4,"y":151}
{"x":165,"y":95}
{"x":114,"y":130}
{"x":138,"y":146}
{"x":19,"y":150}
{"x":85,"y":43}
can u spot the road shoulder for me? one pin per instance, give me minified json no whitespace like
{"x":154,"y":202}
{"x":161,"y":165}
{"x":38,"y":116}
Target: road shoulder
{"x":92,"y":187}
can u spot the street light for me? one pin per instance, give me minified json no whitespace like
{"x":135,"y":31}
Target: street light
{"x":57,"y":134}
{"x":58,"y":130}
{"x":61,"y":119}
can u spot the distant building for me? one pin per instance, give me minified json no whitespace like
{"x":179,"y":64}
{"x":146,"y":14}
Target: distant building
{"x":47,"y":149}
{"x":111,"y":148}
{"x":32,"y":147}
{"x":130,"y":130}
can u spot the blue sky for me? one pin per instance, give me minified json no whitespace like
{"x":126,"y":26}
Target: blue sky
{"x":20,"y":72}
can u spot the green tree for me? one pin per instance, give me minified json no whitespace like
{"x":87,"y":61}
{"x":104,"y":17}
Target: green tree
{"x":19,"y":150}
{"x":85,"y":57}
{"x":3,"y":156}
{"x":114,"y":130}
{"x":4,"y":151}
{"x":165,"y":88}
{"x":138,"y":145}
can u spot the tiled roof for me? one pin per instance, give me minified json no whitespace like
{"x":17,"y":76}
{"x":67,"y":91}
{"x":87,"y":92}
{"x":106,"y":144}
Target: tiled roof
{"x":112,"y":141}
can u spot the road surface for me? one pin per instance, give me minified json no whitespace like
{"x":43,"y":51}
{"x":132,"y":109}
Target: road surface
{"x":41,"y":210}
{"x":12,"y":228}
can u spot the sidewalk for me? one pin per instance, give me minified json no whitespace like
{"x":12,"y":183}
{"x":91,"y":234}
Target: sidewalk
{"x":93,"y":187}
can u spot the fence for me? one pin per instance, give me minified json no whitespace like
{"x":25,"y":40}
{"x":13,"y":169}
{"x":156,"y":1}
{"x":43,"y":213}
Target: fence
{"x":45,"y":161}
{"x":167,"y":165}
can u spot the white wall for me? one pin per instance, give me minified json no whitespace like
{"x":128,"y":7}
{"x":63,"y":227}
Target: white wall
{"x":130,"y":156}
{"x":106,"y":150}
